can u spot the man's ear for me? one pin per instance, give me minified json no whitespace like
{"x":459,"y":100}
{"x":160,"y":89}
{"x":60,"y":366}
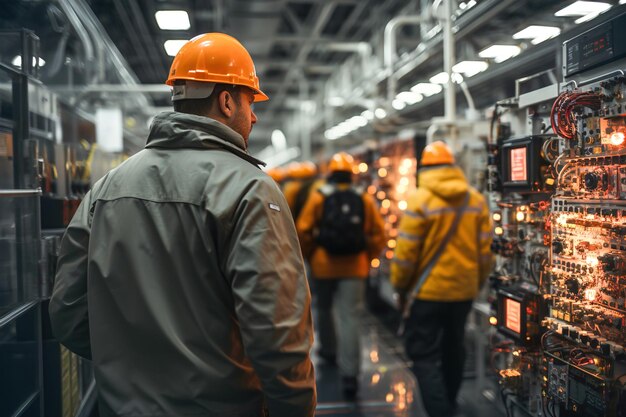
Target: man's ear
{"x":226,"y":103}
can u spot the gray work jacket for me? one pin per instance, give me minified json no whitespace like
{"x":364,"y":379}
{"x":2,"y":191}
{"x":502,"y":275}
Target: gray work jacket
{"x":181,"y":277}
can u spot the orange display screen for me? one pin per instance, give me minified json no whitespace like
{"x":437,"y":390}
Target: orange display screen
{"x":518,"y":164}
{"x":513,"y":319}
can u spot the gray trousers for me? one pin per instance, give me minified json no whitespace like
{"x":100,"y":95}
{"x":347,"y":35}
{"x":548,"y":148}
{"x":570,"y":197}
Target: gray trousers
{"x":339,"y":333}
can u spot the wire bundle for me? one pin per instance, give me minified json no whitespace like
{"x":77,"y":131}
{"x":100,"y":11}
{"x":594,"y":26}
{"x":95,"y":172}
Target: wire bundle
{"x":562,"y":117}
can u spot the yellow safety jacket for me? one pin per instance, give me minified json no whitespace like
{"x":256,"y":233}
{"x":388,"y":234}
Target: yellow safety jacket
{"x":466,"y":260}
{"x":327,"y":266}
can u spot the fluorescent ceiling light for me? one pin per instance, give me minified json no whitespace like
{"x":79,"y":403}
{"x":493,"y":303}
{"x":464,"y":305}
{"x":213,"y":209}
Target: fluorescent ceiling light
{"x":369,"y":115}
{"x":172,"y":19}
{"x":17,"y":61}
{"x":500,"y":53}
{"x":583,"y":8}
{"x":470,"y":68}
{"x":173,"y":46}
{"x":336,"y":101}
{"x":586,"y":18}
{"x":442,"y":78}
{"x":279,"y":141}
{"x":398,"y":104}
{"x":410,"y":97}
{"x":537,"y":34}
{"x":428,"y":89}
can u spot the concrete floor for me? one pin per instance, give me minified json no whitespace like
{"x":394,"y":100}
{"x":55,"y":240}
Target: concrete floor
{"x":386,"y":386}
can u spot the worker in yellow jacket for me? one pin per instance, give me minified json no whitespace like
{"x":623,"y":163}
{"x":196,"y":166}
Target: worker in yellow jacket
{"x":341,"y":231}
{"x":442,"y":258}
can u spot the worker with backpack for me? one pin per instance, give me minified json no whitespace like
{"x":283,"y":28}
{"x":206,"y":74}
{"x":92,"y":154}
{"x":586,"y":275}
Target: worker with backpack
{"x":340,"y":231}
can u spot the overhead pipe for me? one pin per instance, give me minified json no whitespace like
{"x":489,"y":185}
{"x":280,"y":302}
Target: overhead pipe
{"x":305,"y":131}
{"x":389,"y":49}
{"x":448,"y":60}
{"x":364,"y":49}
{"x":80,"y":29}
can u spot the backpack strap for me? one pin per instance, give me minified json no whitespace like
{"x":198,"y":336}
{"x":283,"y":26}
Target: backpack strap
{"x":442,"y":245}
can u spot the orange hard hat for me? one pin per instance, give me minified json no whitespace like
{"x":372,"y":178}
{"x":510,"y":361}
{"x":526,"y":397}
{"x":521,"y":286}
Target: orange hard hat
{"x":277,"y":174}
{"x":293,"y":170}
{"x":437,"y":153}
{"x":216,"y":58}
{"x":341,"y":162}
{"x":308,"y":169}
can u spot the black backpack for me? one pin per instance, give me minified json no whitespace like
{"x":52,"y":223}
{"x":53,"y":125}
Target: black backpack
{"x":341,"y":230}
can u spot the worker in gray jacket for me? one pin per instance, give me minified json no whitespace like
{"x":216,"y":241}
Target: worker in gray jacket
{"x":180,"y":276}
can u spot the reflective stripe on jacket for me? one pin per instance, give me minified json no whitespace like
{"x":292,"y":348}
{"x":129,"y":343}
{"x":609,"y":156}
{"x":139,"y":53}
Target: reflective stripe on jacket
{"x":324,"y":265}
{"x":180,"y":276}
{"x":465,"y":262}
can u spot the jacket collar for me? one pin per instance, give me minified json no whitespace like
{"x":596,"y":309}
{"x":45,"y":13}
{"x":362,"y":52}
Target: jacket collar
{"x":176,"y":130}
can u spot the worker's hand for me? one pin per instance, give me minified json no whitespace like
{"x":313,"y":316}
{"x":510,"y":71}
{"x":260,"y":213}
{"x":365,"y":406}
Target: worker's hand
{"x":400,"y":297}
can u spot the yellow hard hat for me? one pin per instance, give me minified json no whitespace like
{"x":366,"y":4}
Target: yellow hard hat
{"x":216,"y":58}
{"x":437,"y":153}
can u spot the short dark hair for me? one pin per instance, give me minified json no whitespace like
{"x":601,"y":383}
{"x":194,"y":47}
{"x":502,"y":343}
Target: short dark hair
{"x":202,"y":106}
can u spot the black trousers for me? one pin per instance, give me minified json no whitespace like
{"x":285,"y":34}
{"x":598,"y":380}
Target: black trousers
{"x":434,"y":341}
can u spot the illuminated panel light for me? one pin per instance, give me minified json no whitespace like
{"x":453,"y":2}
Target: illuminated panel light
{"x":583,"y":8}
{"x":470,"y":68}
{"x":398,"y":104}
{"x":442,"y":78}
{"x":617,"y":138}
{"x":172,"y":46}
{"x":500,"y":53}
{"x":428,"y":89}
{"x":17,"y":61}
{"x":590,"y":294}
{"x":538,"y":34}
{"x":410,"y":97}
{"x":172,"y":19}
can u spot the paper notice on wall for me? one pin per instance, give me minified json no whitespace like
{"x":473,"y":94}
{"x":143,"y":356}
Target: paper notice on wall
{"x":109,"y":129}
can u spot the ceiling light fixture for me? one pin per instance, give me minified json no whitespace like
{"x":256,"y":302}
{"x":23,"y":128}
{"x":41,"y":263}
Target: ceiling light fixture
{"x":410,"y":97}
{"x":17,"y":61}
{"x":583,"y":8}
{"x":398,"y":104}
{"x":538,"y":34}
{"x":500,"y":53}
{"x":442,"y":78}
{"x":172,"y":46}
{"x":427,"y":89}
{"x":380,"y":113}
{"x":336,"y":101}
{"x":470,"y":68}
{"x":172,"y":19}
{"x":368,"y":114}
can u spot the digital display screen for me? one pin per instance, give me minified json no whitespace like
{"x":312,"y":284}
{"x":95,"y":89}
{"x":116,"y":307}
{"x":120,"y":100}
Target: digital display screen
{"x":597,"y":45}
{"x":518,"y":164}
{"x":513,"y":318}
